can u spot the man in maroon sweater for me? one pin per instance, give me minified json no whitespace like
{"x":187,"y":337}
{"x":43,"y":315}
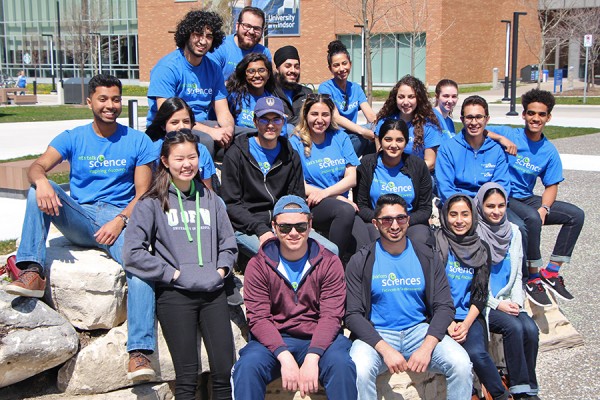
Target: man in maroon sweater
{"x":294,"y":290}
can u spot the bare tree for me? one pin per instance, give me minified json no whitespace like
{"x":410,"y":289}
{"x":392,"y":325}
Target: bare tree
{"x":368,"y":13}
{"x":551,"y":35}
{"x":84,"y":19}
{"x":580,"y":22}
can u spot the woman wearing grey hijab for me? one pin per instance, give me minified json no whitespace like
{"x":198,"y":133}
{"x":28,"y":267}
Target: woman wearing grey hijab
{"x":505,"y":312}
{"x":468,"y":263}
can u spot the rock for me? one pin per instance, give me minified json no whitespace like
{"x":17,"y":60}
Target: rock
{"x":101,"y":366}
{"x":33,"y":338}
{"x":86,"y":285}
{"x":556,"y":332}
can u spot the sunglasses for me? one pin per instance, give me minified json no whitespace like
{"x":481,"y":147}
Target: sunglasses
{"x":300,"y":227}
{"x":386,"y":222}
{"x":267,"y":121}
{"x":318,"y":96}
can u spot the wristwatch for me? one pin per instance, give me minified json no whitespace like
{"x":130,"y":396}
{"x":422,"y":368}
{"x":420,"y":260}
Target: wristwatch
{"x":545,"y":207}
{"x":124,"y":217}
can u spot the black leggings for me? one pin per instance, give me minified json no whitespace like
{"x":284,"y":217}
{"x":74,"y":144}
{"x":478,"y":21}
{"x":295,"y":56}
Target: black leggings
{"x":179,"y":313}
{"x":344,"y":227}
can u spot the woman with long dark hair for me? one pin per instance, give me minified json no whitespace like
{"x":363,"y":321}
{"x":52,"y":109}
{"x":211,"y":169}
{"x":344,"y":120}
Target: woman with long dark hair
{"x":409,"y":102}
{"x":252,"y":79}
{"x":179,"y":236}
{"x":348,"y":98}
{"x":174,"y":114}
{"x":467,"y":259}
{"x":505,"y":312}
{"x":392,"y":170}
{"x":329,"y":166}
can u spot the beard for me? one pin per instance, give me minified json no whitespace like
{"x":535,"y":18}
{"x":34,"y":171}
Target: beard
{"x":287,"y":85}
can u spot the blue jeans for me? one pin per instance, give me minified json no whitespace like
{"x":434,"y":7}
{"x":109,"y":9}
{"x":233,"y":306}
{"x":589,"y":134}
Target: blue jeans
{"x":483,"y":365}
{"x":257,"y":366}
{"x":520,"y":336}
{"x":361,"y":145}
{"x":448,"y":358}
{"x":78,"y":223}
{"x":561,"y":213}
{"x":249,"y":244}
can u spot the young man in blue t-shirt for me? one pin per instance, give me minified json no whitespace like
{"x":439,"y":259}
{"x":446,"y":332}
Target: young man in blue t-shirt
{"x":398,"y":307}
{"x":188,"y":74}
{"x":248,"y":33}
{"x":538,"y":158}
{"x":110,"y":170}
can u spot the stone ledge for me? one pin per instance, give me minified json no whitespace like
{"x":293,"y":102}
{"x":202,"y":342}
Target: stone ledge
{"x":13,"y":177}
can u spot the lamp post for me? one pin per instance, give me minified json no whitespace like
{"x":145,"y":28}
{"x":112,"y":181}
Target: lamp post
{"x":515,"y":47}
{"x":51,"y":36}
{"x":59,"y":52}
{"x":98,"y":36}
{"x":362,"y":55}
{"x":507,"y":61}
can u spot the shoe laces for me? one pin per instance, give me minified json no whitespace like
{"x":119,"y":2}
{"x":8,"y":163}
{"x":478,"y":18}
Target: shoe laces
{"x":561,"y":281}
{"x":139,"y":359}
{"x":27,"y":276}
{"x":537,"y":286}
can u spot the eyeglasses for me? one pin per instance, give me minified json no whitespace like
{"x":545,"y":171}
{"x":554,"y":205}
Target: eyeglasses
{"x":248,"y":27}
{"x":252,"y":71}
{"x":471,"y":118}
{"x":300,"y":227}
{"x":386,"y":222}
{"x":274,"y":121}
{"x":532,"y":113}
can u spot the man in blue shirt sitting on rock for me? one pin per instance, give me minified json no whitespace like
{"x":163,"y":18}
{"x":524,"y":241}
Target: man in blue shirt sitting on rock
{"x":110,"y":170}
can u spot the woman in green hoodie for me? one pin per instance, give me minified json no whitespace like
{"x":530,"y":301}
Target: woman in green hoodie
{"x":181,"y":238}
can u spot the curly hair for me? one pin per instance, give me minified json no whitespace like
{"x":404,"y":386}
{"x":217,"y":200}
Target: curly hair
{"x":336,"y":47}
{"x":303,"y":130}
{"x":538,"y":96}
{"x":196,"y":21}
{"x":238,"y":84}
{"x":170,"y":106}
{"x":422,"y":114}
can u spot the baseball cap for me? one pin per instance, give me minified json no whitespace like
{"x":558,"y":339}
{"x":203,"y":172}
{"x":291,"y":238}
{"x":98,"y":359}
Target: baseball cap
{"x":282,"y":203}
{"x":270,"y":104}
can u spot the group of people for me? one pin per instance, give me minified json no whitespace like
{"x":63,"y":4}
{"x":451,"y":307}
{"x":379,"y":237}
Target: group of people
{"x":334,"y":216}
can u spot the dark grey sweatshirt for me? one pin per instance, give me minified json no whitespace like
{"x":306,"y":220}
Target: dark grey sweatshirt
{"x":156,"y":243}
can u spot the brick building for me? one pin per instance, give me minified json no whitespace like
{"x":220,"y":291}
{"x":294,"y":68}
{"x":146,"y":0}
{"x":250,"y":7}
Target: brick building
{"x":458,"y":39}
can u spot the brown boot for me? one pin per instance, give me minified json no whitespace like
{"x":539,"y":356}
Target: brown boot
{"x":140,"y":368}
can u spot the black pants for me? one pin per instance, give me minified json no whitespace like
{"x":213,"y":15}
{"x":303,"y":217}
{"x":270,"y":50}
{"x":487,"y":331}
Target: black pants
{"x":179,"y":313}
{"x":345,"y":228}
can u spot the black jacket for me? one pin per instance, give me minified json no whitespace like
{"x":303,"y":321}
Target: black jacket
{"x":250,"y":195}
{"x":293,"y":109}
{"x":438,"y":300}
{"x":415,"y":168}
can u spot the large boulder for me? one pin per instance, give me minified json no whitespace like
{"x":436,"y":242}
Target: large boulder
{"x":86,"y":285}
{"x":101,"y":366}
{"x":33,"y":338}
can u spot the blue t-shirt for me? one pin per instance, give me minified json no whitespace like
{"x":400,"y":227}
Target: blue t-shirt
{"x":500,"y":274}
{"x":447,"y":125}
{"x":432,"y":137}
{"x":533,"y":159}
{"x":295,"y":270}
{"x":460,"y":279}
{"x":199,"y":86}
{"x":347,"y":103}
{"x":229,"y":54}
{"x":397,"y":289}
{"x":22,"y":82}
{"x":206,"y":166}
{"x":102,"y":169}
{"x":327,"y":163}
{"x":391,"y":180}
{"x":264,"y":157}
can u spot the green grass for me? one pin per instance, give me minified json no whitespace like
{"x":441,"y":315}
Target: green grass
{"x":59,"y":177}
{"x":128,"y":90}
{"x":569,"y":100}
{"x":8,"y":246}
{"x":552,"y":132}
{"x":27,"y":157}
{"x":53,"y":113}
